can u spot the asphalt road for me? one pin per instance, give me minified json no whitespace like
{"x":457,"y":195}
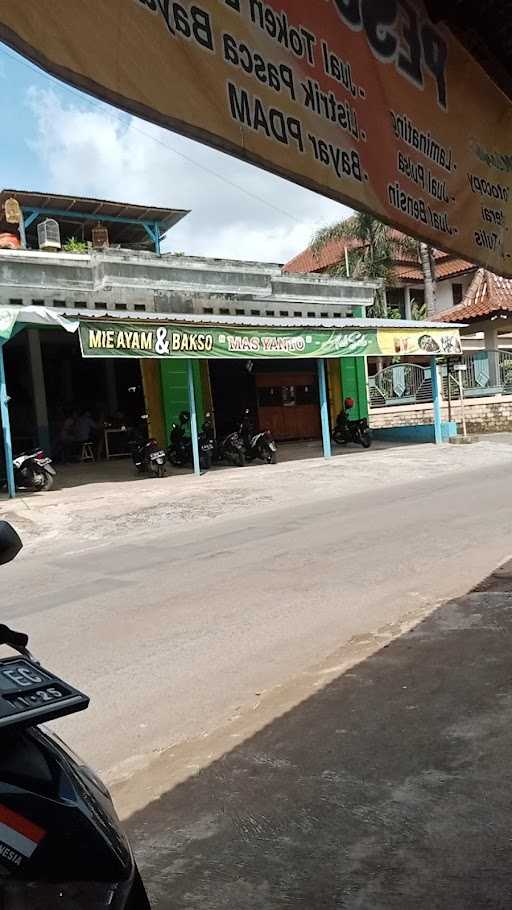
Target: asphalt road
{"x":172,"y":632}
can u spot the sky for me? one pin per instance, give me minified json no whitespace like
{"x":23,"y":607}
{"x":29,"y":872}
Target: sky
{"x":57,"y":139}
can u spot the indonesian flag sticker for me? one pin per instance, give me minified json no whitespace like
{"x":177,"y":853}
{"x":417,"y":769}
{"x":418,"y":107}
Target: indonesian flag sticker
{"x":19,"y":837}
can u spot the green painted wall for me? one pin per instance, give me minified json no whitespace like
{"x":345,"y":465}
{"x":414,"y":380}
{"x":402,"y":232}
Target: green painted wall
{"x":353,"y":384}
{"x":174,"y":377}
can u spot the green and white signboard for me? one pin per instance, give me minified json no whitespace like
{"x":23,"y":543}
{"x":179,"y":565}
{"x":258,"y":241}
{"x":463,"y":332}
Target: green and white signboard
{"x":154,"y":340}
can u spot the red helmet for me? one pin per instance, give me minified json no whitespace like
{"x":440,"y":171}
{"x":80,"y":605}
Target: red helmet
{"x":349,"y":403}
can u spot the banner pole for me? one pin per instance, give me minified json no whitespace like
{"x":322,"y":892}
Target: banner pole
{"x":6,"y":428}
{"x":324,"y":409}
{"x":193,"y":417}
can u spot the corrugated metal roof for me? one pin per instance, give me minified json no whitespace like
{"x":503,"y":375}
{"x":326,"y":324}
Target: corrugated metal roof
{"x":252,"y":321}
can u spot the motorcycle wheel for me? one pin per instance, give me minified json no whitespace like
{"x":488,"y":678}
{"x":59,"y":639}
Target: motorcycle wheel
{"x":268,"y":455}
{"x":339,"y":439}
{"x":206,"y":461}
{"x":239,"y":459}
{"x":366,"y":439}
{"x":42,"y":480}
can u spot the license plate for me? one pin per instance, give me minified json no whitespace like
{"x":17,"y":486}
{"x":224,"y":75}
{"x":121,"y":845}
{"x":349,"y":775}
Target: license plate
{"x":43,"y":461}
{"x":156,"y":456}
{"x":30,"y":695}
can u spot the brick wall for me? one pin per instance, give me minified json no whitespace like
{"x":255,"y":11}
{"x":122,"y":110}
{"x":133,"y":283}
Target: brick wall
{"x":483,"y":415}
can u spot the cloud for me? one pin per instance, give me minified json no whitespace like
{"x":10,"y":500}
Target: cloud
{"x":91,"y":149}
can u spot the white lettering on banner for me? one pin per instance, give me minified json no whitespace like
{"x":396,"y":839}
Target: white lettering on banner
{"x":162,"y":343}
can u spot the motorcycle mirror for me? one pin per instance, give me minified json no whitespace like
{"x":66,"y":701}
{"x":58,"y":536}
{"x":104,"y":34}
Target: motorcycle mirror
{"x":10,"y":543}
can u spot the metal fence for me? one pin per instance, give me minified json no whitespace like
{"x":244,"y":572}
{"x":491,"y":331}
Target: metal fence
{"x":487,"y":373}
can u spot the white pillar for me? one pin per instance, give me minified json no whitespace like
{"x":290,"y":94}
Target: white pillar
{"x":38,"y":388}
{"x":491,"y":346}
{"x":408,"y":306}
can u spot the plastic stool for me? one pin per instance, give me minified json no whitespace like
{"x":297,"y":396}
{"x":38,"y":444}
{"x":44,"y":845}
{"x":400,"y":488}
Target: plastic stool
{"x":87,"y":452}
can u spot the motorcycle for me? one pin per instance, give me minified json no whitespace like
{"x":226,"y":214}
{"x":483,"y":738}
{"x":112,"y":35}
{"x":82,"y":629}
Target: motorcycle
{"x":257,"y":445}
{"x":147,"y":455}
{"x":180,"y":453}
{"x":33,"y":472}
{"x":61,"y":843}
{"x":347,"y":430}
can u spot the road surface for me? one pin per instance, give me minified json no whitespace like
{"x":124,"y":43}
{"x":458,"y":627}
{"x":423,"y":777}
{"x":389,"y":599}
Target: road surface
{"x":173,"y":631}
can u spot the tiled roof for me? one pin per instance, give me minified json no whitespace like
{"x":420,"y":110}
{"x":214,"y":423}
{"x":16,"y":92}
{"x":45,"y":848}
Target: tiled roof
{"x":488,"y":295}
{"x":446,"y":268}
{"x":405,"y":268}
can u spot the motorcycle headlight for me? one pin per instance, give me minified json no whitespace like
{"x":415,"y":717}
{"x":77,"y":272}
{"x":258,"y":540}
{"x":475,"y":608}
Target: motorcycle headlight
{"x":67,"y":896}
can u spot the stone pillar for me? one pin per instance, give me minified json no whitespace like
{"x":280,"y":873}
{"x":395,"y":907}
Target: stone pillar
{"x":491,"y":346}
{"x":38,"y":388}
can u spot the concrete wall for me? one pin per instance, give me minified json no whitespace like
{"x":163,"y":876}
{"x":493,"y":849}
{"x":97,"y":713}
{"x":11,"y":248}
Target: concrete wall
{"x":135,"y":280}
{"x":483,"y":415}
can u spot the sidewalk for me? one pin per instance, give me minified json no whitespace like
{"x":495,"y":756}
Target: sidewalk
{"x":93,"y":502}
{"x":387,"y":789}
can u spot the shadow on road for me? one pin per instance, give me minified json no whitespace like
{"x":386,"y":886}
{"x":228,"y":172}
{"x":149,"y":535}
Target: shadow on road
{"x":390,"y":788}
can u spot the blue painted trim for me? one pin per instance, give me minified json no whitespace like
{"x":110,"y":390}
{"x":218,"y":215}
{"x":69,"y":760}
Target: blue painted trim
{"x":80,"y":216}
{"x":193,"y":417}
{"x":6,"y":427}
{"x":157,"y":238}
{"x":436,"y":397}
{"x":324,"y":409}
{"x":34,"y":213}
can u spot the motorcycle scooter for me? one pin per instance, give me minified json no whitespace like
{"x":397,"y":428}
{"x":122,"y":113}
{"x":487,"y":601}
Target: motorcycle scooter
{"x":61,"y":843}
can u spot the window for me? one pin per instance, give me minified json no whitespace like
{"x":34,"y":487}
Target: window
{"x":223,"y":311}
{"x":324,"y":315}
{"x":457,"y":294}
{"x":15,"y":301}
{"x":207,"y":310}
{"x":297,"y":314}
{"x":120,"y":306}
{"x":239,"y":312}
{"x":38,"y":303}
{"x":140,"y":307}
{"x":311,"y":315}
{"x":59,"y":303}
{"x":396,"y":303}
{"x":270,"y":313}
{"x":255,"y":312}
{"x":284,"y":313}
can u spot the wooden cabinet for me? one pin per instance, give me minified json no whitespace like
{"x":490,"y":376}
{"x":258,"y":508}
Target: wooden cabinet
{"x":288,"y":405}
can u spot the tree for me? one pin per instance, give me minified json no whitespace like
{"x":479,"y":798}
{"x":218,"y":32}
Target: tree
{"x":370,"y":251}
{"x":428,"y":268}
{"x":373,"y":250}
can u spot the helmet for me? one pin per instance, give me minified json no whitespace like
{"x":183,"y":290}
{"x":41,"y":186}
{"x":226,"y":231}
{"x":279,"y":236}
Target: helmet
{"x":349,"y":403}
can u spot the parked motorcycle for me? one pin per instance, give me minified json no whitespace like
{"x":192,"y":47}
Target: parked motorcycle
{"x":257,"y":445}
{"x":230,"y":448}
{"x":147,"y":455}
{"x":61,"y":844}
{"x":33,"y":472}
{"x":180,"y":453}
{"x":348,"y":430}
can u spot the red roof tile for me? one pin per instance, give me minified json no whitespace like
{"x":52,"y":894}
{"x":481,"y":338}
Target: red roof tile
{"x":406,"y":266}
{"x":488,"y":295}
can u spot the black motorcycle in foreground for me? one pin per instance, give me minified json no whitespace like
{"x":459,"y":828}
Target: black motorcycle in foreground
{"x":61,"y":844}
{"x":147,"y":455}
{"x":257,"y":445}
{"x":33,"y":472}
{"x":180,"y":453}
{"x":347,"y":430}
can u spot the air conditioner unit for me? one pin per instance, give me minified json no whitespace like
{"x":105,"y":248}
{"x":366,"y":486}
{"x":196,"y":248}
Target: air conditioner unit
{"x":48,"y":235}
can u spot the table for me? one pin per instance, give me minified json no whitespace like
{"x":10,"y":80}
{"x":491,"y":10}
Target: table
{"x":112,"y":431}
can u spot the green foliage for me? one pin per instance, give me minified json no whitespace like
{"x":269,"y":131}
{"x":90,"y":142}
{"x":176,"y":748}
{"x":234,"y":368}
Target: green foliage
{"x":74,"y":246}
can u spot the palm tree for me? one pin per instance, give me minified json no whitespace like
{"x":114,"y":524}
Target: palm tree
{"x":428,"y":267}
{"x":372,"y":252}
